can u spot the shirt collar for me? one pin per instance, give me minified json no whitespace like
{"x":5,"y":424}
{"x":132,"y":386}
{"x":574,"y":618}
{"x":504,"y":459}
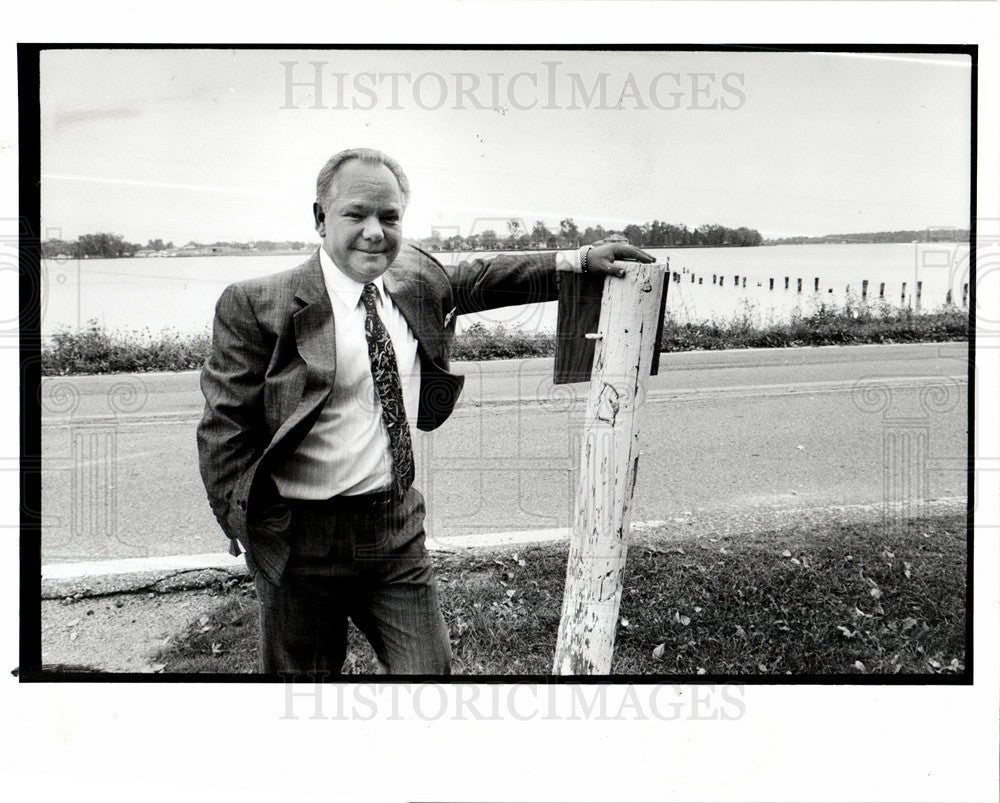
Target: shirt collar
{"x":343,"y":286}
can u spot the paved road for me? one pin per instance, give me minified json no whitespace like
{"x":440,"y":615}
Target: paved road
{"x":769,"y":431}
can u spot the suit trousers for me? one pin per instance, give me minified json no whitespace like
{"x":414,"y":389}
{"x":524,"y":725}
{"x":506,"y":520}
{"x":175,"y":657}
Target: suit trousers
{"x":369,"y":565}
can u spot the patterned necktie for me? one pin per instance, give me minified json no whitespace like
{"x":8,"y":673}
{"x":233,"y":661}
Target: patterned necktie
{"x":389,"y":389}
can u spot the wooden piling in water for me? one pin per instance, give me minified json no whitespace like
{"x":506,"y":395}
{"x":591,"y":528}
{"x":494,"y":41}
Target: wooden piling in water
{"x":771,"y":286}
{"x":786,"y":282}
{"x":881,"y":290}
{"x":798,"y":285}
{"x":816,"y":284}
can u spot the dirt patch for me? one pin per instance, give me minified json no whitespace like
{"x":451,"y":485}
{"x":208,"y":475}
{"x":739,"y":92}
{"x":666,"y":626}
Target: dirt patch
{"x":121,"y":632}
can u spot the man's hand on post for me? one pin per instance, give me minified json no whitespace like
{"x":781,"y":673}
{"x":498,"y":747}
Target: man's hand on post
{"x":601,"y":259}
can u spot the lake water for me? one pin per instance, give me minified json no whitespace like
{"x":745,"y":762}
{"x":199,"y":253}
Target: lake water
{"x":180,"y":293}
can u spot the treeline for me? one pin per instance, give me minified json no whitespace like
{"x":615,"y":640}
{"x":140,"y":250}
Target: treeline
{"x":112,"y":246}
{"x":102,"y":244}
{"x":901,"y":236}
{"x":516,"y":237}
{"x":258,"y":245}
{"x":657,"y":234}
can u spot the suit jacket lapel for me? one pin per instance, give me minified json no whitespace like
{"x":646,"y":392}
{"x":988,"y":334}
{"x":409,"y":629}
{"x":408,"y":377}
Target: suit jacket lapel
{"x":314,"y":320}
{"x":314,"y":340}
{"x":417,"y":310}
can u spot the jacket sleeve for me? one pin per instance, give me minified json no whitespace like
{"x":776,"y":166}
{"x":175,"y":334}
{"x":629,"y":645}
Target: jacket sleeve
{"x":503,"y":280}
{"x":526,"y":278}
{"x":232,"y":432}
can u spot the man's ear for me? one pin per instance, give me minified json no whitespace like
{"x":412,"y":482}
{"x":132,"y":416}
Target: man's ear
{"x":319,"y":217}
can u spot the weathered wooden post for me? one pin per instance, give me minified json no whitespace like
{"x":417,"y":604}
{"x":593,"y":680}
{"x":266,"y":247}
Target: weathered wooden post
{"x":630,"y":312}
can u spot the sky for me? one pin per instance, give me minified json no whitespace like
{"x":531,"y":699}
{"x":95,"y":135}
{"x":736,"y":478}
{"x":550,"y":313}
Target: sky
{"x":210,"y":145}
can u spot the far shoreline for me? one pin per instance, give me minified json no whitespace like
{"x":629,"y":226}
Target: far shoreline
{"x":309,"y":251}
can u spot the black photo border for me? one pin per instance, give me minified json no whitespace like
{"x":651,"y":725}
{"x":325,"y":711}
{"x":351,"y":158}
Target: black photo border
{"x":30,"y":667}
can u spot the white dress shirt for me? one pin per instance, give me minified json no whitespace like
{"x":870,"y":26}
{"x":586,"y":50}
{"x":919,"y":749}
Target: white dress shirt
{"x":347,"y":450}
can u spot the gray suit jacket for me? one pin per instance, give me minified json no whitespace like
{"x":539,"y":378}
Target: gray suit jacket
{"x":272,"y":367}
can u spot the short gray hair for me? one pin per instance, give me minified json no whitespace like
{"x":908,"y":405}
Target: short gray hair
{"x":369,"y":155}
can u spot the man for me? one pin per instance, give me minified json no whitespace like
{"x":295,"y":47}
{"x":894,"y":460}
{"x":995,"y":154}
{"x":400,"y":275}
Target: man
{"x":314,"y":379}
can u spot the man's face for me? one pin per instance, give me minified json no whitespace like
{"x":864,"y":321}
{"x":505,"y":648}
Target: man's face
{"x":361,"y":219}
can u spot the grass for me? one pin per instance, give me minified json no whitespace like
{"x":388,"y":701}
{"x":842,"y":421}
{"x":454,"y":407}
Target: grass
{"x":843,"y":599}
{"x":95,"y":350}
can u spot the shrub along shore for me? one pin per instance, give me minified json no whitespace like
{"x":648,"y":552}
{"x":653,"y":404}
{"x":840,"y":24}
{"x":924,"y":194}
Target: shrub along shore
{"x":96,"y":350}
